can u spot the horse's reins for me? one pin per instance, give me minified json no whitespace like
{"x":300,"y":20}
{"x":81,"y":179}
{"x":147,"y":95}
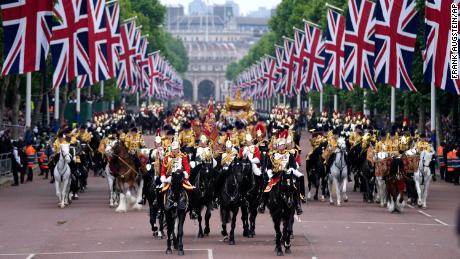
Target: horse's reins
{"x":130,"y":168}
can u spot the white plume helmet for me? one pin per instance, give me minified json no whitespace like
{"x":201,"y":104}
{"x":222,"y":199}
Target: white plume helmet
{"x":203,"y":139}
{"x":175,"y":145}
{"x":248,"y":137}
{"x":229,"y":144}
{"x":289,"y":140}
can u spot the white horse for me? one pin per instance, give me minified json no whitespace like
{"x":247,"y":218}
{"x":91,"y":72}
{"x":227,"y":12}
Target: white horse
{"x":339,"y":173}
{"x":62,"y":176}
{"x":381,"y":195}
{"x":422,"y":177}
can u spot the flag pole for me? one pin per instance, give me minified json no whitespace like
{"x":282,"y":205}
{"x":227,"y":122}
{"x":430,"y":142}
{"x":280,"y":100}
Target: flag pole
{"x":393,"y":106}
{"x":29,"y":100}
{"x":334,"y":7}
{"x":78,"y":104}
{"x":56,"y":105}
{"x":102,"y":89}
{"x":321,"y":101}
{"x":298,"y":99}
{"x":433,"y":109}
{"x":336,"y":103}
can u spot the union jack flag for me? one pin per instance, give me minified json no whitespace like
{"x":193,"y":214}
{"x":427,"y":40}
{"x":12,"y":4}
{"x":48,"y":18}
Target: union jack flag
{"x":271,"y":75}
{"x":395,"y":35}
{"x":300,"y":57}
{"x":289,"y":66}
{"x":359,"y":44}
{"x":438,"y":44}
{"x":334,"y":52}
{"x":314,"y":49}
{"x":98,"y":34}
{"x":143,"y":64}
{"x":126,"y":74}
{"x":26,"y":34}
{"x":69,"y":43}
{"x":154,"y":60}
{"x":113,"y":25}
{"x":281,"y":73}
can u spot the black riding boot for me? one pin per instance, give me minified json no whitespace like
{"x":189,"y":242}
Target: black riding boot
{"x":302,"y":189}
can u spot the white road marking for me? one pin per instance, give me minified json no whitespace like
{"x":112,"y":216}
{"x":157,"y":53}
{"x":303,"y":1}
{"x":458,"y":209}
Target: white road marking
{"x":32,"y":255}
{"x":424,"y":213}
{"x":378,"y":223}
{"x":441,"y":222}
{"x":314,"y":257}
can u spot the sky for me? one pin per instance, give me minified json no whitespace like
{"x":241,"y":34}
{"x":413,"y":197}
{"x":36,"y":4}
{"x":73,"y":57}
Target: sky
{"x":245,"y":5}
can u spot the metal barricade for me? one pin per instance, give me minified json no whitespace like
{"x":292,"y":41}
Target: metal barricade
{"x":5,"y":165}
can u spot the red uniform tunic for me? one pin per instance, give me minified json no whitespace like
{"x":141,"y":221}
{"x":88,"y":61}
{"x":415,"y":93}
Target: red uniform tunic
{"x":185,"y":165}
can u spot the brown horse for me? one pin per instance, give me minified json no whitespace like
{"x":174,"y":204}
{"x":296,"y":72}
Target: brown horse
{"x":128,"y":180}
{"x":395,"y":186}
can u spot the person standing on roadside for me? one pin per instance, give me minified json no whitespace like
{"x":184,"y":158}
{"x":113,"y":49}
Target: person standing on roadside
{"x":16,"y":164}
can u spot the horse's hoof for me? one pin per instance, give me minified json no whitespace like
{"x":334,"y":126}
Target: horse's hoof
{"x":279,"y":253}
{"x":206,"y":231}
{"x":169,"y":251}
{"x":231,"y":242}
{"x":345,"y":200}
{"x":225,"y":238}
{"x":288,"y":250}
{"x":315,"y":197}
{"x":424,"y":206}
{"x":245,"y":233}
{"x":339,"y":205}
{"x":331,"y":203}
{"x":200,"y":235}
{"x":250,"y":236}
{"x":180,"y":252}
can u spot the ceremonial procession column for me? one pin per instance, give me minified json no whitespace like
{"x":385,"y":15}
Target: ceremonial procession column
{"x":29,"y":100}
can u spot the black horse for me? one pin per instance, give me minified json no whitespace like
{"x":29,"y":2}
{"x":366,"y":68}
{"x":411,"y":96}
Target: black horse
{"x":366,"y":176}
{"x":282,"y":204}
{"x":203,"y":180}
{"x":155,"y":201}
{"x":252,"y":194}
{"x":231,"y":197}
{"x":176,"y":203}
{"x":316,"y":171}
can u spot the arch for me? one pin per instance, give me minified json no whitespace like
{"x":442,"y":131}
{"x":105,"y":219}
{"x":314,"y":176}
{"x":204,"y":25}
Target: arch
{"x":188,"y":90}
{"x":206,"y":89}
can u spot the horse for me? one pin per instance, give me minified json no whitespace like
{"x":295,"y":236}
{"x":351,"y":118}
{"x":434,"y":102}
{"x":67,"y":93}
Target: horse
{"x":395,"y":186}
{"x":338,"y":172}
{"x":422,"y":177}
{"x":281,"y":203}
{"x":203,"y":180}
{"x":366,"y":174}
{"x":316,"y":172}
{"x":114,"y":193}
{"x":252,"y":194}
{"x":231,"y":196}
{"x":128,"y":180}
{"x":380,"y":187}
{"x":176,"y":203}
{"x":62,"y":176}
{"x":154,"y":199}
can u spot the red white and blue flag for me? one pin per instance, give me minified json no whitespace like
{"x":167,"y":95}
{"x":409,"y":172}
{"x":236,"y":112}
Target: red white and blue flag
{"x":154,"y":59}
{"x":334,"y":52}
{"x":300,"y":57}
{"x":359,"y":44}
{"x":69,"y":42}
{"x":396,"y":24}
{"x":289,"y":66}
{"x":143,"y":64}
{"x":281,"y":73}
{"x":113,"y":43}
{"x":98,"y":35}
{"x":126,"y":72}
{"x":437,"y":54}
{"x":315,"y":59}
{"x":271,"y":75}
{"x":27,"y":33}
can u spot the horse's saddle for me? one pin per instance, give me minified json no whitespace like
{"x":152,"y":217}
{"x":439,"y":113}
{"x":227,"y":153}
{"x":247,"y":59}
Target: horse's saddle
{"x":274,"y":181}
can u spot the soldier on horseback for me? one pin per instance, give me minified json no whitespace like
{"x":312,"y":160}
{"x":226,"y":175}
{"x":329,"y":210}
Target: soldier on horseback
{"x":133,"y":142}
{"x":252,"y":153}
